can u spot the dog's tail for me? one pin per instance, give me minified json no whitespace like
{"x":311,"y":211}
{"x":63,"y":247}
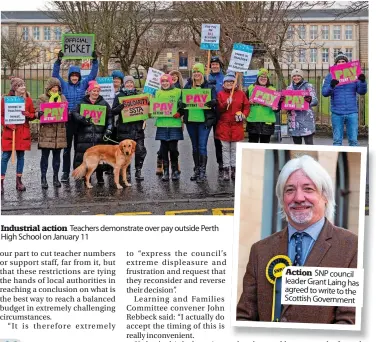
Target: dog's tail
{"x":79,"y":171}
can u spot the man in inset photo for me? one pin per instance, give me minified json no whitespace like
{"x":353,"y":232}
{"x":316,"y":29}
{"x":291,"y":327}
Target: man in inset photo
{"x":306,"y":196}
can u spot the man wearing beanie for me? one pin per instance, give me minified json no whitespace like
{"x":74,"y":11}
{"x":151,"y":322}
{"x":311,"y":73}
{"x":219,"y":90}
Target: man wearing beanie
{"x":343,"y":104}
{"x":74,"y":90}
{"x":216,"y":77}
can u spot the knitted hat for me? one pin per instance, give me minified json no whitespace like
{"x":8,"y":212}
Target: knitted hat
{"x":199,"y":67}
{"x":118,"y":74}
{"x":92,"y":85}
{"x":297,"y":72}
{"x":263,"y":72}
{"x":340,"y":56}
{"x":230,"y":77}
{"x":128,"y":78}
{"x":16,"y":82}
{"x":166,"y":77}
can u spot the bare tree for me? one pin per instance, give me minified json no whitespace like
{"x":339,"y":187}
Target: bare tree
{"x":17,"y":52}
{"x":353,"y":7}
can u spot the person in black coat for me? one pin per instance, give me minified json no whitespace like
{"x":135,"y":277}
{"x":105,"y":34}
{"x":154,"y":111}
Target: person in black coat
{"x":89,"y":134}
{"x":130,"y":130}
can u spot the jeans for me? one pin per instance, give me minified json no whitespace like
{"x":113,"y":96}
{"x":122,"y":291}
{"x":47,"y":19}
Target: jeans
{"x":55,"y":160}
{"x":229,"y":153}
{"x":5,"y":159}
{"x":308,"y":140}
{"x":199,"y":135}
{"x":338,"y":123}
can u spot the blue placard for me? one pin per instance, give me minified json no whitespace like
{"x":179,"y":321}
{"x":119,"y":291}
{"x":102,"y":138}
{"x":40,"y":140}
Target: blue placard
{"x":150,"y":90}
{"x":14,"y":99}
{"x":243,"y":47}
{"x":209,"y":46}
{"x":102,"y":80}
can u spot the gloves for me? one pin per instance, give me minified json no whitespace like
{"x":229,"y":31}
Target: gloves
{"x":239,"y":117}
{"x":308,"y":99}
{"x":94,"y":55}
{"x":362,"y":78}
{"x":229,"y":100}
{"x":39,"y":114}
{"x":176,"y":115}
{"x":182,"y":105}
{"x":333,"y":83}
{"x":12,"y":127}
{"x":60,"y":56}
{"x":87,"y":121}
{"x":27,"y":114}
{"x":282,"y":99}
{"x":211,"y":103}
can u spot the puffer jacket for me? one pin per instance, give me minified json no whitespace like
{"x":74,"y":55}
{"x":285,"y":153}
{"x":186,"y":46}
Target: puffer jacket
{"x":53,"y":136}
{"x":302,"y":122}
{"x":88,"y":134}
{"x":74,"y":92}
{"x":126,"y":130}
{"x":210,"y":114}
{"x":22,"y":132}
{"x":216,"y":79}
{"x":343,"y":98}
{"x":228,"y":129}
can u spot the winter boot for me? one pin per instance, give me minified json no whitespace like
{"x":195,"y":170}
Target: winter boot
{"x":138,"y":175}
{"x":56,"y":182}
{"x":233,"y":169}
{"x":19,"y":185}
{"x":175,"y":171}
{"x":202,"y":173}
{"x":65,"y":177}
{"x":166,"y":171}
{"x":2,"y":186}
{"x":159,"y":170}
{"x":220,"y":170}
{"x":43,"y":182}
{"x":196,"y":169}
{"x":226,"y":174}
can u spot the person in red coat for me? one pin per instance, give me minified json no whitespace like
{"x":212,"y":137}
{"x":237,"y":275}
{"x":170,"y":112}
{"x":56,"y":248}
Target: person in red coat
{"x":232,"y":111}
{"x":22,"y":133}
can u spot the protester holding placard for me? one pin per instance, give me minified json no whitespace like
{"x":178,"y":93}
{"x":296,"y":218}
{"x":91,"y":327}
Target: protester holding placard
{"x":232,"y":111}
{"x":199,"y":122}
{"x":343,"y":104}
{"x":169,"y":128}
{"x":130,"y":130}
{"x":261,"y":120}
{"x":302,"y":123}
{"x":52,"y":137}
{"x":74,"y":90}
{"x":216,"y":77}
{"x":21,"y":132}
{"x":95,"y":121}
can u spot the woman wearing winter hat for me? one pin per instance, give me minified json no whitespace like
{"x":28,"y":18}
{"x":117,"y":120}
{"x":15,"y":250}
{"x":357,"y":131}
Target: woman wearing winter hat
{"x":232,"y":111}
{"x":199,"y":122}
{"x":261,"y":120}
{"x":130,"y":130}
{"x":169,"y":130}
{"x":343,"y":104}
{"x":89,"y":134}
{"x":117,"y":78}
{"x":22,"y":133}
{"x":302,"y":123}
{"x":52,"y":137}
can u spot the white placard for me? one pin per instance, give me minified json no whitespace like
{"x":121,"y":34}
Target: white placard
{"x":107,"y":89}
{"x":240,"y":57}
{"x":210,"y":34}
{"x":13,"y":108}
{"x":152,"y":83}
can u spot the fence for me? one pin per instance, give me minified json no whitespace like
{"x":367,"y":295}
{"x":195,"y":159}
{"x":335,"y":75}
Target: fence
{"x":36,"y":77}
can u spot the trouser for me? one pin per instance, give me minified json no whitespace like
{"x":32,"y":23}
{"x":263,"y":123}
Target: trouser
{"x":71,"y":138}
{"x":169,"y":147}
{"x":262,"y":138}
{"x":308,"y":139}
{"x":338,"y":123}
{"x":229,"y":153}
{"x":199,"y":135}
{"x":5,"y":159}
{"x":55,"y":160}
{"x":140,"y":153}
{"x":218,"y":147}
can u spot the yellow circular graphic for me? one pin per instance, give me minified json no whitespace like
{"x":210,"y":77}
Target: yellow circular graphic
{"x":275,"y":267}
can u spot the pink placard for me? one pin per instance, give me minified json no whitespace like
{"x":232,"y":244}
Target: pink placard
{"x":346,"y":73}
{"x":54,"y":112}
{"x":265,"y":96}
{"x":294,"y":100}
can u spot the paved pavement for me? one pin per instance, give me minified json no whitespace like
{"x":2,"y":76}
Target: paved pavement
{"x":152,"y":196}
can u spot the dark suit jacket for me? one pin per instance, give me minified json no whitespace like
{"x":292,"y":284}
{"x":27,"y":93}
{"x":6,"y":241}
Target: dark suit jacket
{"x":335,"y":247}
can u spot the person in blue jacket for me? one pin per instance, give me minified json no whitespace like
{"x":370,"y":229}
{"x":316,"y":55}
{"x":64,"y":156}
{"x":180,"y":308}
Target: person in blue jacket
{"x":343,"y":104}
{"x":216,"y":77}
{"x":74,"y":90}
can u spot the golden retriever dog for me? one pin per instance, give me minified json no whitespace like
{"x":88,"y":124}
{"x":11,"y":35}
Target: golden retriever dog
{"x":118,"y":156}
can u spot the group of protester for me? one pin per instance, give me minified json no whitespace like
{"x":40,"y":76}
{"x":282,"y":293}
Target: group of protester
{"x":226,"y":112}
